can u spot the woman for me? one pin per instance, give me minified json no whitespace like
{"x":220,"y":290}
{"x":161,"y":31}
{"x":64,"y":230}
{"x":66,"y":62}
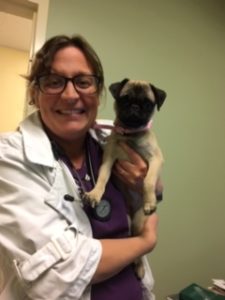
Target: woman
{"x":55,"y":245}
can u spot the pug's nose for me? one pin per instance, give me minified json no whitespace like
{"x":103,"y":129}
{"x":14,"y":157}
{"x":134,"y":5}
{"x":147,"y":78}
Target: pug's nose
{"x":135,"y":108}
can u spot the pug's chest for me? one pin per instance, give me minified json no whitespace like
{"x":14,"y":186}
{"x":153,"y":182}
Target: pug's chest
{"x":140,"y":143}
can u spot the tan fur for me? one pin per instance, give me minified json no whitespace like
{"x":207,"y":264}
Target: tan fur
{"x":146,"y":145}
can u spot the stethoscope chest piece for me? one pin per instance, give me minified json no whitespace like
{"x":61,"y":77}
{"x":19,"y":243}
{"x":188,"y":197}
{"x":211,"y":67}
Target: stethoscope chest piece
{"x":102,"y":211}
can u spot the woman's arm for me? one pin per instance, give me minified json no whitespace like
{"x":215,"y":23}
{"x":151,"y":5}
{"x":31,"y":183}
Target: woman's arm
{"x":118,"y":253}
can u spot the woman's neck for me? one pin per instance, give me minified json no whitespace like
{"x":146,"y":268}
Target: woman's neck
{"x":74,"y":148}
{"x":75,"y":151}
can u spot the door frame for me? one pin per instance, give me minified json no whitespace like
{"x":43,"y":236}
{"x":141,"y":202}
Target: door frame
{"x":39,"y":23}
{"x":40,"y":18}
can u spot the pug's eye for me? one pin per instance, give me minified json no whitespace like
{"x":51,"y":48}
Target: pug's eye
{"x":123,"y":99}
{"x":123,"y":102}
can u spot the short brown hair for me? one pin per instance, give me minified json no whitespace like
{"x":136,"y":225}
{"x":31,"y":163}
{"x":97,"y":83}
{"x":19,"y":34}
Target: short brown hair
{"x":43,"y":60}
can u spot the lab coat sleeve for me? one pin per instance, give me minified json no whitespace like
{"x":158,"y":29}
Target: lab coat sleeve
{"x":52,"y":260}
{"x":61,"y":269}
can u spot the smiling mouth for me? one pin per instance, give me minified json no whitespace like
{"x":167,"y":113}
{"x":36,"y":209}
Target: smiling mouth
{"x":71,"y":112}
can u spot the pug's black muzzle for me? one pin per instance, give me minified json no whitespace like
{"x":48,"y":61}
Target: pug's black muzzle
{"x":134,"y":113}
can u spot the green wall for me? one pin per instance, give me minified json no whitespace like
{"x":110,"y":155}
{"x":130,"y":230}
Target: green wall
{"x":179,"y":45}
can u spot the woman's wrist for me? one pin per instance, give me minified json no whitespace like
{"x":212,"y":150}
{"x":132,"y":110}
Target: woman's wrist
{"x":118,"y":253}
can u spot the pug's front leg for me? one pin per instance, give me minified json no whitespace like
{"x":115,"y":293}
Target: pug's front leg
{"x":149,"y":202}
{"x":149,"y":197}
{"x":95,"y":195}
{"x":150,"y":181}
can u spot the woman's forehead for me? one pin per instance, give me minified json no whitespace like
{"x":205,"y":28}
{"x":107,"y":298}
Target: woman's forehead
{"x":71,"y":60}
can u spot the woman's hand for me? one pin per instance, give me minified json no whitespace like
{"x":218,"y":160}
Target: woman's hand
{"x":133,"y":171}
{"x":149,"y":231}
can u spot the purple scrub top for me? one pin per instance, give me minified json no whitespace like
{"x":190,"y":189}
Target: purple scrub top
{"x":124,"y":285}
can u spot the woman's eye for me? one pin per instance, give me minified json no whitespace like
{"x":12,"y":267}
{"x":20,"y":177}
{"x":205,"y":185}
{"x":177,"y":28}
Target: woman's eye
{"x":55,"y":82}
{"x":83,"y":82}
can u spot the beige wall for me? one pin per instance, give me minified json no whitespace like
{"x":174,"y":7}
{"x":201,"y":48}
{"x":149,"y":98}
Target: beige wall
{"x":13,"y":87}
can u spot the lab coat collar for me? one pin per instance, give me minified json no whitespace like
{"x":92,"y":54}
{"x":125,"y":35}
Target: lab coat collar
{"x":37,"y":146}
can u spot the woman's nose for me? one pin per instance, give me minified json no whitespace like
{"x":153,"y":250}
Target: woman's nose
{"x":70,"y":91}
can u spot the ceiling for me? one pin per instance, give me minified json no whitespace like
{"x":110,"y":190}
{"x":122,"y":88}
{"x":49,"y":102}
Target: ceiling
{"x":16,"y":23}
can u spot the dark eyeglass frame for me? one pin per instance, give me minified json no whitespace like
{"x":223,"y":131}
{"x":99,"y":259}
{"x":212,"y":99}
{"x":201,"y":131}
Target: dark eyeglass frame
{"x":74,"y":80}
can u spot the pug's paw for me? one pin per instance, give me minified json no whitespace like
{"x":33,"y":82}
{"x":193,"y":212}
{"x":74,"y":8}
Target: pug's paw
{"x":149,"y":209}
{"x":92,"y":198}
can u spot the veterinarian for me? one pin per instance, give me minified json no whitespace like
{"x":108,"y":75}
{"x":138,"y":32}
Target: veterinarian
{"x":53,"y":245}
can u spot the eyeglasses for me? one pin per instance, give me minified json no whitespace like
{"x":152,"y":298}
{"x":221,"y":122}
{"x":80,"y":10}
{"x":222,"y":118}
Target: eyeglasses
{"x":53,"y":84}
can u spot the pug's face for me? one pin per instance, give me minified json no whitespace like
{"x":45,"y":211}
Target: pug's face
{"x":135,"y":102}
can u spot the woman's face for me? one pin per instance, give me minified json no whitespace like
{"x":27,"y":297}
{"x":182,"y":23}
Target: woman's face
{"x":70,"y":114}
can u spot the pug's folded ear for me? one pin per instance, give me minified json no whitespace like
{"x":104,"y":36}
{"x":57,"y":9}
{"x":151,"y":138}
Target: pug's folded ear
{"x":115,"y":88}
{"x":160,"y":96}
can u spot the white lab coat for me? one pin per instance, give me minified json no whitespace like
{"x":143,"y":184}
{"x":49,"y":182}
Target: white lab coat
{"x":47,"y":251}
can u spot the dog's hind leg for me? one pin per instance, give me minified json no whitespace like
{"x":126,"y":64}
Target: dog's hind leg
{"x":136,"y":227}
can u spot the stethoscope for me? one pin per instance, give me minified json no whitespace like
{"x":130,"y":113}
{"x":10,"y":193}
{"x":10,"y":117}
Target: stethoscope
{"x":102,"y":211}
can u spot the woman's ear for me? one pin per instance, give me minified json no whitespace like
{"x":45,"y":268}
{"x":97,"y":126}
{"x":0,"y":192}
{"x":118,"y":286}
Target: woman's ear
{"x":34,"y":94}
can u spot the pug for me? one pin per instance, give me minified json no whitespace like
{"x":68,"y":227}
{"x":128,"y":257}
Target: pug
{"x":135,"y":104}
